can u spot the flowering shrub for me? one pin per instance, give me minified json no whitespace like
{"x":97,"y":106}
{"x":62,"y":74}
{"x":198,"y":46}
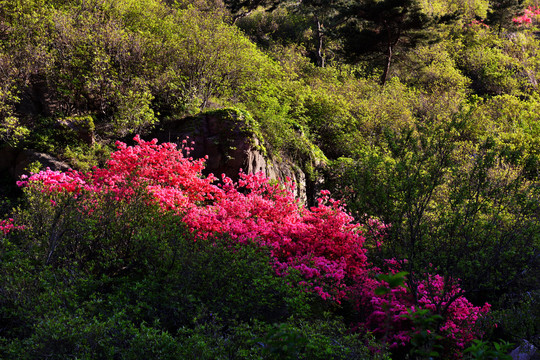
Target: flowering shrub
{"x":390,"y":315}
{"x":7,"y":225}
{"x":321,"y":243}
{"x":174,"y":179}
{"x":530,"y":14}
{"x":435,"y":294}
{"x":478,"y":24}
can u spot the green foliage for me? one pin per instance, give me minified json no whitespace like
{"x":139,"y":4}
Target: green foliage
{"x":325,"y":338}
{"x":279,"y":27}
{"x":133,"y":113}
{"x":393,"y":281}
{"x":243,"y":7}
{"x":384,"y":27}
{"x":84,"y":157}
{"x":61,"y":335}
{"x":124,"y":65}
{"x":467,"y":9}
{"x":482,"y":350}
{"x":11,"y":129}
{"x":126,"y":62}
{"x":321,"y":339}
{"x":283,"y":342}
{"x":492,"y":71}
{"x":450,"y":203}
{"x":425,"y":342}
{"x":442,"y":87}
{"x":498,"y":65}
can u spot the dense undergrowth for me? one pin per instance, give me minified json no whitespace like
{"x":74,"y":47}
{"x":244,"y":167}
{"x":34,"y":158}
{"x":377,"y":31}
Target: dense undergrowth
{"x":430,"y":136}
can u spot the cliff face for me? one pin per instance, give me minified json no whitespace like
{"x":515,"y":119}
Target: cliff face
{"x":232,"y":142}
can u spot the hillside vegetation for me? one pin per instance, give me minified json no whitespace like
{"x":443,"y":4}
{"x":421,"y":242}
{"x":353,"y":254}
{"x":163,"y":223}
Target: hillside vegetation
{"x":420,"y":118}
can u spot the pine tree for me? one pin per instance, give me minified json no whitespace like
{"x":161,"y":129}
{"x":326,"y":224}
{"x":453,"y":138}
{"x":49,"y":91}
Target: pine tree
{"x":382,"y":27}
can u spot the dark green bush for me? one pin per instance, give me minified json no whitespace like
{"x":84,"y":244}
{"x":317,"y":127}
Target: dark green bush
{"x":450,"y":203}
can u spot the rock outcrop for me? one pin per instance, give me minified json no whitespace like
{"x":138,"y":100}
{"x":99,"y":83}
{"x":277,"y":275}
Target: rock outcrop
{"x":231,"y":140}
{"x":525,"y":351}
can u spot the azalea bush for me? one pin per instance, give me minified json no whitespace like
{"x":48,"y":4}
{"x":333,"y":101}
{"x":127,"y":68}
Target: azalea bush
{"x":529,"y":16}
{"x":7,"y":225}
{"x":396,"y":315}
{"x":320,"y":244}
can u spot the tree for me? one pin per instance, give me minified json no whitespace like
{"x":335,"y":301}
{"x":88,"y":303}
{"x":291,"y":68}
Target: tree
{"x":502,"y":12}
{"x":450,"y":203}
{"x":324,"y":16}
{"x":327,"y":16}
{"x":383,"y":26}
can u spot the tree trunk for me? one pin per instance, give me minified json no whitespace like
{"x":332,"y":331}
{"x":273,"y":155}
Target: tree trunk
{"x":391,"y":42}
{"x":384,"y":76}
{"x":319,"y":53}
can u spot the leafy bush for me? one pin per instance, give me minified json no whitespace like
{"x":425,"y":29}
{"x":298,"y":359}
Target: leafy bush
{"x":317,"y":250}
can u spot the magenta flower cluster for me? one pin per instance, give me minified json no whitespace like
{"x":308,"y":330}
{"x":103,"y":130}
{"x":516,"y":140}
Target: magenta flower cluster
{"x":389,"y":314}
{"x":6,"y":226}
{"x":530,"y":14}
{"x":322,"y":243}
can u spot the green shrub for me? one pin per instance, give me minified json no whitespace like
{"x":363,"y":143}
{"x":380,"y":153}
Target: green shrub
{"x":450,"y":202}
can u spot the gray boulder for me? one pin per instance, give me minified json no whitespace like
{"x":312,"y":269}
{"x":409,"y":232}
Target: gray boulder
{"x":525,"y":351}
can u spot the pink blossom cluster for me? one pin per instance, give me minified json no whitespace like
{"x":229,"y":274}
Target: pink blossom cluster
{"x":435,"y":294}
{"x":6,"y":226}
{"x":478,"y":24}
{"x":322,"y":243}
{"x":530,"y":14}
{"x":389,"y":315}
{"x":70,"y":181}
{"x":166,"y":173}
